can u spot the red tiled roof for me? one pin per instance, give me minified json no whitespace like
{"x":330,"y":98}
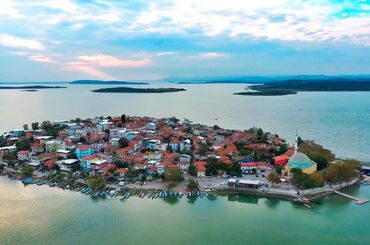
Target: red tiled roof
{"x":83,"y":147}
{"x":23,"y":152}
{"x":89,"y":158}
{"x":122,"y":170}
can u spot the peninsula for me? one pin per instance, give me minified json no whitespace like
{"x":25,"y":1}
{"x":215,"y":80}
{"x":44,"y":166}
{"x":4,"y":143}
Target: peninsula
{"x":292,"y":86}
{"x":138,"y":90}
{"x":168,"y":157}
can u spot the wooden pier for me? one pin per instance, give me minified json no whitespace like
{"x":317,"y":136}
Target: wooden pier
{"x":357,"y":200}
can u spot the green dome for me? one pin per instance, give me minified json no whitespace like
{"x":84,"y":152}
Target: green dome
{"x":300,"y":160}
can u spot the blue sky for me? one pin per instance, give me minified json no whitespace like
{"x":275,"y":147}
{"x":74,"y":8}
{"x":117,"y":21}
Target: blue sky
{"x":49,"y":40}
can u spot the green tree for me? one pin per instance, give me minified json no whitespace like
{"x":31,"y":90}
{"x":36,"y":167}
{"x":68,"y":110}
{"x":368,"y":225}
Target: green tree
{"x":122,"y":142}
{"x":27,"y":171}
{"x":203,"y":149}
{"x":315,"y":180}
{"x":234,"y":169}
{"x":172,"y":177}
{"x":25,"y":127}
{"x":35,"y":125}
{"x":274,"y":178}
{"x":192,"y":184}
{"x":192,"y":170}
{"x":321,"y":161}
{"x":96,"y":182}
{"x":309,"y":147}
{"x":3,"y":141}
{"x":23,"y":144}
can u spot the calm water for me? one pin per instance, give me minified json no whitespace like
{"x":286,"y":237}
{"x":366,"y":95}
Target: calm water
{"x":339,"y":121}
{"x":44,"y":215}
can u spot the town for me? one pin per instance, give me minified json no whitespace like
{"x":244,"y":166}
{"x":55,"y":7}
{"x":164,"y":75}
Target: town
{"x":111,"y":156}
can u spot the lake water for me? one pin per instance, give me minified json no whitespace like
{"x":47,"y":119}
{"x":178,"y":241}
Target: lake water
{"x":44,"y":215}
{"x":338,"y":120}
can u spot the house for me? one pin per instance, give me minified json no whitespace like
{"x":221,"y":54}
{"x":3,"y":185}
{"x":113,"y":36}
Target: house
{"x":281,"y":160}
{"x":49,"y":164}
{"x":174,"y":144}
{"x":6,"y":149}
{"x":201,"y":168}
{"x":54,"y":145}
{"x":35,"y":162}
{"x":185,"y":145}
{"x":84,"y":151}
{"x":36,"y":148}
{"x":153,"y":145}
{"x":243,"y":183}
{"x":94,"y":163}
{"x":151,"y":126}
{"x":23,"y":155}
{"x":122,"y":171}
{"x":63,"y":153}
{"x":67,"y":164}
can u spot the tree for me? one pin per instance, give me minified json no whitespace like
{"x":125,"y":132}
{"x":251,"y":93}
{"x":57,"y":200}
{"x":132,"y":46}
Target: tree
{"x":172,"y":177}
{"x":278,"y":169}
{"x":203,"y":149}
{"x":3,"y":141}
{"x":23,"y":144}
{"x":46,"y":125}
{"x":35,"y":125}
{"x":315,"y":180}
{"x":192,"y":170}
{"x":123,"y":142}
{"x":26,"y":171}
{"x":123,"y":118}
{"x":192,"y":184}
{"x":321,"y":161}
{"x":96,"y":182}
{"x":234,"y":169}
{"x":309,"y":147}
{"x":274,"y":178}
{"x":25,"y":127}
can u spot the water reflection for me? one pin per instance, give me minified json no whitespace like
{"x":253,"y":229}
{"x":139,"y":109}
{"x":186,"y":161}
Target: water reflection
{"x":272,"y":203}
{"x":242,"y":198}
{"x":171,"y":200}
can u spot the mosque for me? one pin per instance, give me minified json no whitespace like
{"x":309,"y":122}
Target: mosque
{"x":301,"y":161}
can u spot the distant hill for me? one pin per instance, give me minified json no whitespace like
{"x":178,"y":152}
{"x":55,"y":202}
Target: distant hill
{"x":292,"y":86}
{"x":33,"y":87}
{"x":332,"y":84}
{"x":106,"y":82}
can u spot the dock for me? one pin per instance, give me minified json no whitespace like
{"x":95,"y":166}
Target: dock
{"x":357,"y":200}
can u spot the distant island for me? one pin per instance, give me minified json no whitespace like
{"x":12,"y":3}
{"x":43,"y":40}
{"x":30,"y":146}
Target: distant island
{"x":30,"y":90}
{"x":35,"y":87}
{"x":137,"y":90}
{"x":83,"y":82}
{"x":217,"y":82}
{"x":267,"y":93}
{"x":292,"y":86}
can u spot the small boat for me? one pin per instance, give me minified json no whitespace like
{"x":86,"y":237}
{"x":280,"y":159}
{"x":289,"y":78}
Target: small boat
{"x":128,"y":195}
{"x":180,"y":195}
{"x":198,"y":193}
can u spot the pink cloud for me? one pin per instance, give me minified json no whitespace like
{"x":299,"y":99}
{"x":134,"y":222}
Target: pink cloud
{"x":110,"y":61}
{"x":41,"y":58}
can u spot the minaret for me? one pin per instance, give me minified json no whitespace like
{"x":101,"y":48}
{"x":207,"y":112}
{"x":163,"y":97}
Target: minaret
{"x":296,"y":141}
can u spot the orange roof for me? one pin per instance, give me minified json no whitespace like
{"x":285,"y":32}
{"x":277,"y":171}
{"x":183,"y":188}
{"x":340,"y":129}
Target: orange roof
{"x":89,"y":158}
{"x":200,"y":168}
{"x":281,"y":158}
{"x":83,"y":147}
{"x":122,"y":170}
{"x":23,"y":152}
{"x":200,"y":163}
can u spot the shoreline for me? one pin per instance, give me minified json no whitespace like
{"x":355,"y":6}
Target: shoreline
{"x":151,"y":192}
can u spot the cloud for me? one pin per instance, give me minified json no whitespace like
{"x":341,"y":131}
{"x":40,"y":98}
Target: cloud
{"x":208,"y":55}
{"x":9,"y":9}
{"x":16,"y":42}
{"x":167,"y":53}
{"x":41,"y":58}
{"x":111,"y":61}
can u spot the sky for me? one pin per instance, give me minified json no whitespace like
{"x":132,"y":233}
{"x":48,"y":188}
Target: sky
{"x":64,"y":40}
